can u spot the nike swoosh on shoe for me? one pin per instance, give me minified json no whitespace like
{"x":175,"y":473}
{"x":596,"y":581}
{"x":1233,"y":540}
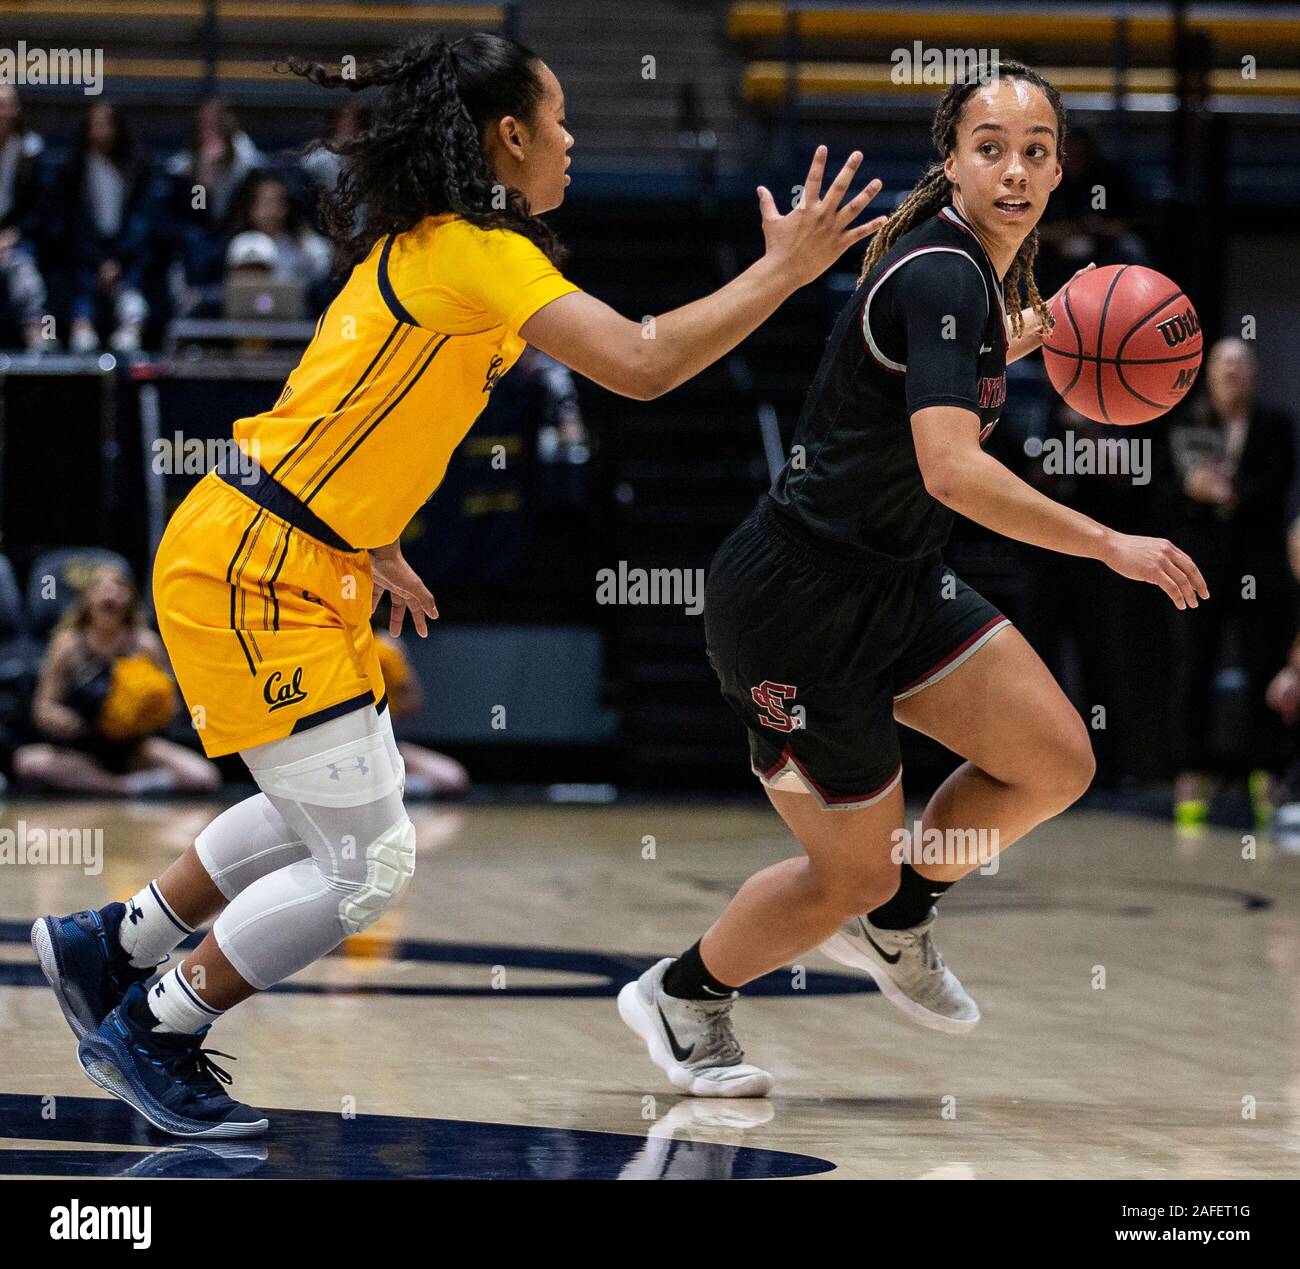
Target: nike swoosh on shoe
{"x":892,"y":960}
{"x":682,"y":1055}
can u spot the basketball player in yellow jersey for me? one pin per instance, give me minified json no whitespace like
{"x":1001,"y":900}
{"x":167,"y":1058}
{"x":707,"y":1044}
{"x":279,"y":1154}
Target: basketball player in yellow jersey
{"x":264,"y":587}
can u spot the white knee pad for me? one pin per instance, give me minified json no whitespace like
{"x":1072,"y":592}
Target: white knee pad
{"x":394,"y":754}
{"x":358,"y":771}
{"x":337,"y":785}
{"x":390,"y":863}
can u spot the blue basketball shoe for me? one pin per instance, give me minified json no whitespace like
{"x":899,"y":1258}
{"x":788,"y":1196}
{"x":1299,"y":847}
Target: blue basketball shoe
{"x":168,"y":1078}
{"x":84,"y":963}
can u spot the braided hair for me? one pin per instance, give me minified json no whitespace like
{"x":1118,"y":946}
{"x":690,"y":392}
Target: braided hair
{"x":421,"y":151}
{"x":934,"y":190}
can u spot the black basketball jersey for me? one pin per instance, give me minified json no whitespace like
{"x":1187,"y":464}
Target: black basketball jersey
{"x":927,"y":326}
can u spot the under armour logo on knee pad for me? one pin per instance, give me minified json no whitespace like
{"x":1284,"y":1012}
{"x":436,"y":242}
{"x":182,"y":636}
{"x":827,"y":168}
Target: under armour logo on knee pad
{"x":357,"y":764}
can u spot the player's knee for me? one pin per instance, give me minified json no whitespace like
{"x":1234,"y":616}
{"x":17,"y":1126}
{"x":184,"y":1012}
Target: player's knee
{"x":390,"y":864}
{"x":394,"y":753}
{"x":1065,"y":768}
{"x":849,"y":894}
{"x":869,"y":895}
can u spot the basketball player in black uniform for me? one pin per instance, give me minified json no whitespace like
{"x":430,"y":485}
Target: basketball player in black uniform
{"x":830,"y":615}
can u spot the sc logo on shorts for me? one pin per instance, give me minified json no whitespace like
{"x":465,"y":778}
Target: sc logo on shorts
{"x":770,"y":698}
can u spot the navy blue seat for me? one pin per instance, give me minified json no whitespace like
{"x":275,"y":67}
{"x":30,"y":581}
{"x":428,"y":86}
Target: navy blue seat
{"x":20,"y":657}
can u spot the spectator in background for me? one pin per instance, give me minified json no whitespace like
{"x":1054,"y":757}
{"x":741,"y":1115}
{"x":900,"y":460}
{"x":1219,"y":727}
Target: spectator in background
{"x":22,"y":287}
{"x":1089,"y":216}
{"x":1235,"y":461}
{"x":250,"y":255}
{"x":485,"y":515}
{"x":562,"y":436}
{"x":104,"y":693}
{"x":428,"y":773}
{"x":106,"y":223}
{"x":204,"y":180}
{"x":323,"y":167}
{"x":265,"y":205}
{"x":1283,"y":698}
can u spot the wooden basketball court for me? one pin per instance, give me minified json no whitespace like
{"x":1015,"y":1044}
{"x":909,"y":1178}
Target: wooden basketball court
{"x":1141,"y":1002}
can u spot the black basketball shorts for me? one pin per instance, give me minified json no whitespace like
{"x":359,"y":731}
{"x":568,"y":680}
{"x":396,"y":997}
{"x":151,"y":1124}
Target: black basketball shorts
{"x":813,"y":647}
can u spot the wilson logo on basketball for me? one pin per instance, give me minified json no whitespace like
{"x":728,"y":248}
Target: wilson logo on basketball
{"x":1180,"y":328}
{"x":770,"y":698}
{"x":277,"y":694}
{"x":1124,"y":345}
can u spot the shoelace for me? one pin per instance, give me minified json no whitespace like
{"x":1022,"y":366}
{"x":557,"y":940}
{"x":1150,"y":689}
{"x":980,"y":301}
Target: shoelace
{"x":720,"y":1040}
{"x":933,"y":960}
{"x":197,"y":1063}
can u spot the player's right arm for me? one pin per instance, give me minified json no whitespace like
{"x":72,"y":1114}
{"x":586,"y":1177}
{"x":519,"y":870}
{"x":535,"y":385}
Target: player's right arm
{"x":942,"y":306}
{"x":958,"y":473}
{"x":644,"y":361}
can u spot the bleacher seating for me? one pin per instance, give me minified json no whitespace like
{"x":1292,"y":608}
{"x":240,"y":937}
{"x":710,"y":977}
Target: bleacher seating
{"x":822,"y":72}
{"x":164,"y":50}
{"x":769,"y":81}
{"x":1085,"y":30}
{"x":844,"y":51}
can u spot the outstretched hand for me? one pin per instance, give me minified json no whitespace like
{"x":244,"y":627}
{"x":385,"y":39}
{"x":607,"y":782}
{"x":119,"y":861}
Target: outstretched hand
{"x":807,"y":240}
{"x":406,"y":592}
{"x":1161,"y":563}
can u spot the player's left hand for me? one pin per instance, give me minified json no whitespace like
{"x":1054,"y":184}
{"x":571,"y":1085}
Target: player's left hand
{"x":406,"y":592}
{"x":1158,"y":561}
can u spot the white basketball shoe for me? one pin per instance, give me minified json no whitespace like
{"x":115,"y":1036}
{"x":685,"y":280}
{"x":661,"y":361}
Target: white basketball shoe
{"x":908,"y":970}
{"x":691,"y":1041}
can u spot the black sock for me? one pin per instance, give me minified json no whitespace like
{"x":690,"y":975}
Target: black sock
{"x":688,"y":979}
{"x":911,"y":905}
{"x":140,"y":1013}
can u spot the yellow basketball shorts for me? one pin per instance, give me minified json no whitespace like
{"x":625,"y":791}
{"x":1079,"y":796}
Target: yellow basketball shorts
{"x":267,"y":627}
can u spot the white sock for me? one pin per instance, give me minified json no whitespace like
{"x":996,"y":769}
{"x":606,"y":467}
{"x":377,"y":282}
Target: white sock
{"x":150,"y":930}
{"x":177,"y":1006}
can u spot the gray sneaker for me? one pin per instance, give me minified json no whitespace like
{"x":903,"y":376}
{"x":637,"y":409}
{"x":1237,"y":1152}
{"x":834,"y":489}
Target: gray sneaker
{"x":908,"y":970}
{"x":691,"y":1041}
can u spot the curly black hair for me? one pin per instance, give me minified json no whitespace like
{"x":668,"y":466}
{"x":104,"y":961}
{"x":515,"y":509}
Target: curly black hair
{"x":421,"y":151}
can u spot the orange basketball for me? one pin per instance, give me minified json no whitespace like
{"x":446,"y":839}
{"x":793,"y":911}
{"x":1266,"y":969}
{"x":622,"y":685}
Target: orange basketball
{"x":1126,"y":344}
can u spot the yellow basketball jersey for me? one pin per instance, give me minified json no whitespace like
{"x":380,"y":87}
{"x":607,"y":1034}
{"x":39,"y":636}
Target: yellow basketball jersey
{"x":399,"y":368}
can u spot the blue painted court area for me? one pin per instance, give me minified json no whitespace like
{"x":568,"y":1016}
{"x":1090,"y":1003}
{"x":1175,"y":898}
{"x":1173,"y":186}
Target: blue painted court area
{"x":304,"y":1144}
